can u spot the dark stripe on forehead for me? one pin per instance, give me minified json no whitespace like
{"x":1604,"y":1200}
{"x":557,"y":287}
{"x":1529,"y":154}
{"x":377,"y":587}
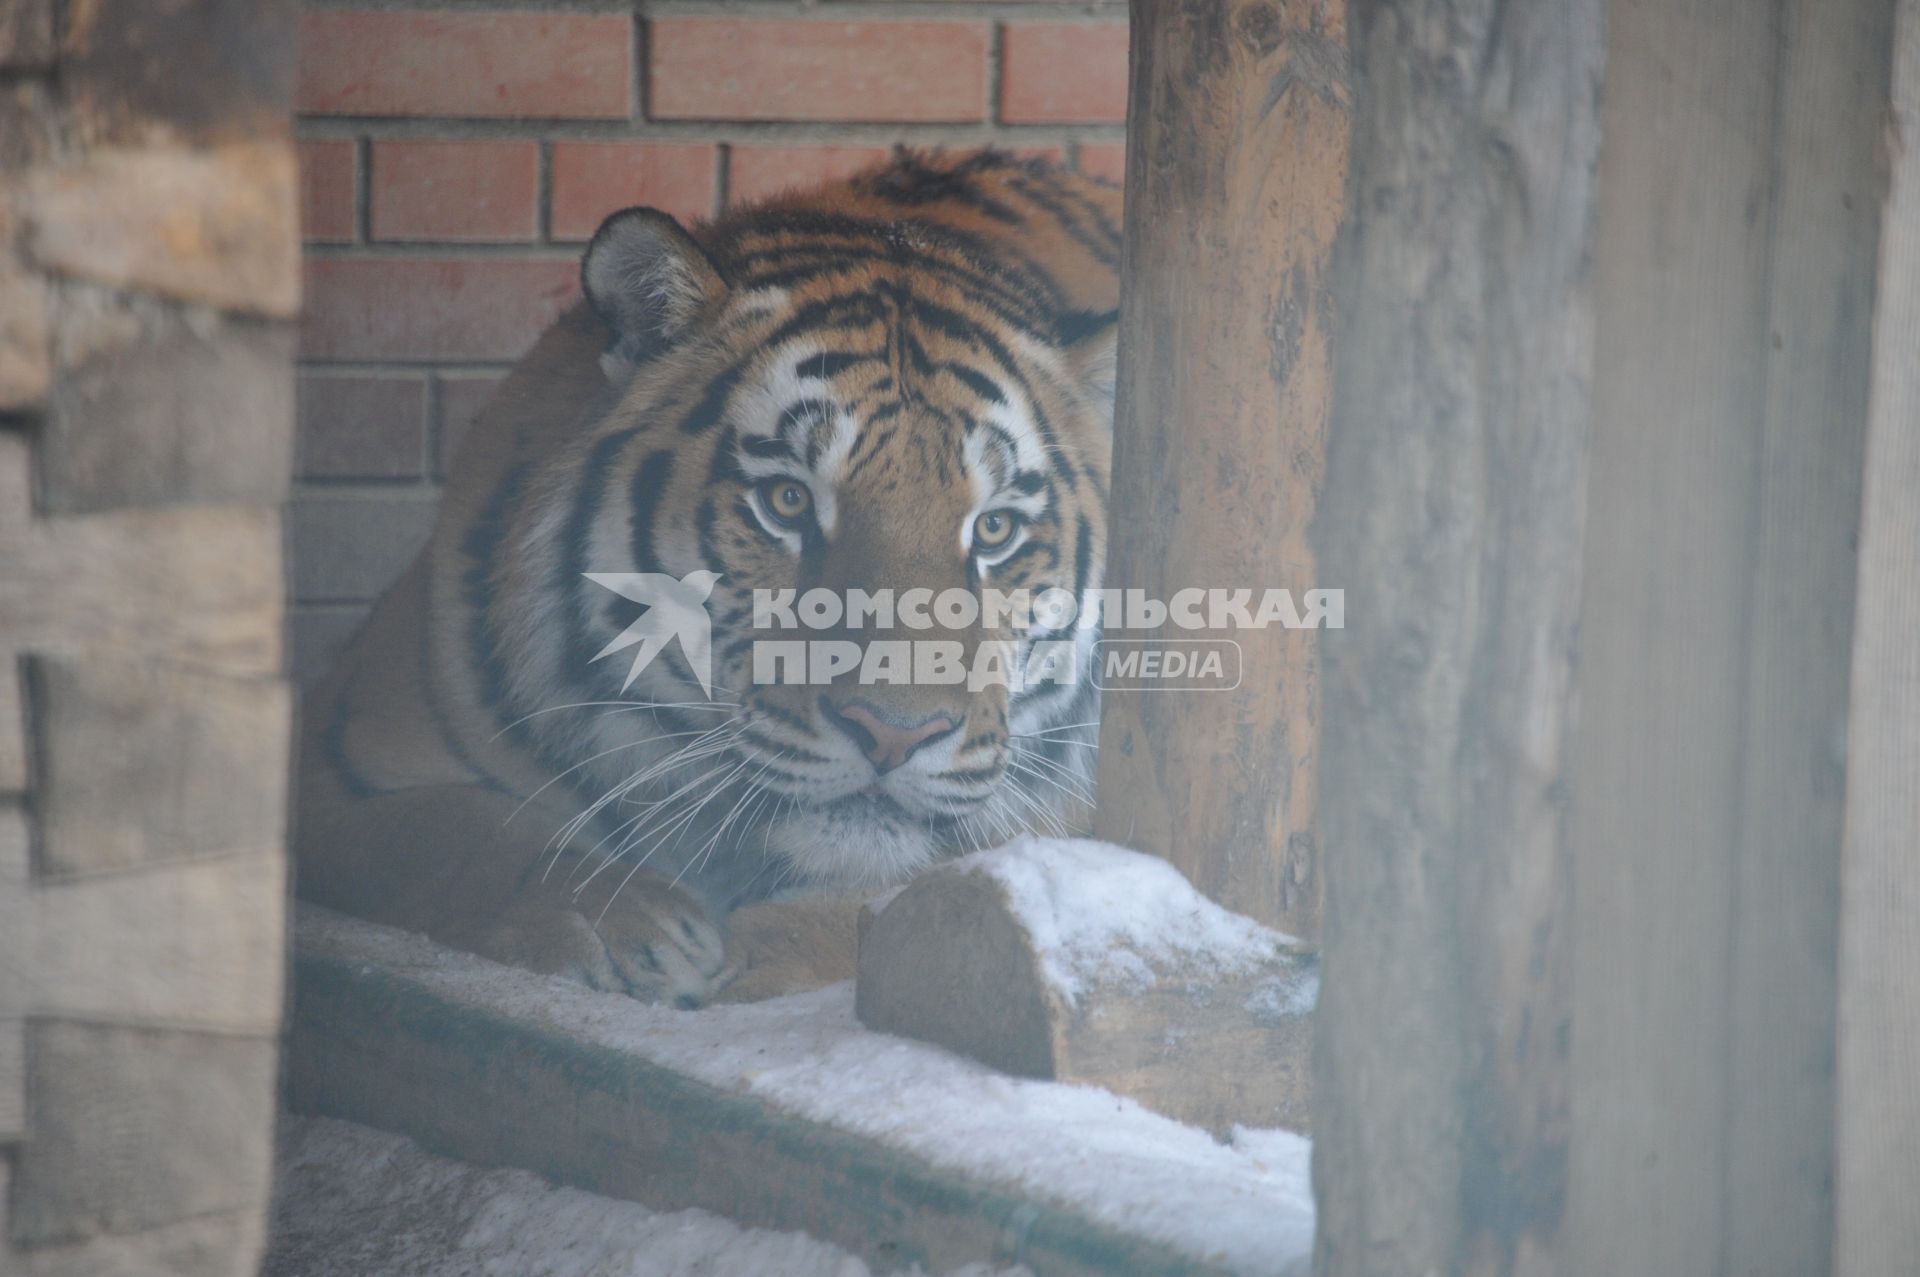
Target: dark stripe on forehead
{"x":851,"y":311}
{"x":813,"y":242}
{"x":1002,"y":455}
{"x":765,"y":447}
{"x":960,"y":328}
{"x":1100,"y":238}
{"x":910,"y":184}
{"x":831,"y":363}
{"x":978,"y":383}
{"x":1024,"y":308}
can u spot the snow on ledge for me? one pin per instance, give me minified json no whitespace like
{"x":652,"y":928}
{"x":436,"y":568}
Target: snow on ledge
{"x":1098,"y":913}
{"x":1245,"y":1206}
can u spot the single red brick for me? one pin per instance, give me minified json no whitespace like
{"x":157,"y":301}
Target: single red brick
{"x":431,"y":307}
{"x":455,"y":190}
{"x":1106,"y":160}
{"x":1064,"y":73}
{"x":538,"y":65}
{"x":593,"y":179}
{"x":803,"y":69}
{"x":361,"y":427}
{"x":756,"y":172}
{"x":462,"y":396}
{"x":329,"y":192}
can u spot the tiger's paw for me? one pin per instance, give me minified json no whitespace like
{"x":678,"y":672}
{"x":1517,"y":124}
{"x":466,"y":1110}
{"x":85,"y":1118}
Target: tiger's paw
{"x":651,"y":941}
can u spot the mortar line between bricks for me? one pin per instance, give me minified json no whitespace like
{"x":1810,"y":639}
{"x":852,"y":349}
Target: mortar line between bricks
{"x":298,"y":606}
{"x":366,"y":603}
{"x":495,"y":250}
{"x":996,"y":71}
{"x":640,"y":76}
{"x":362,"y":189}
{"x":400,"y":369}
{"x":387,"y":485}
{"x":543,"y":191}
{"x":882,"y":11}
{"x":400,"y":127}
{"x":430,"y":437}
{"x":1050,"y":11}
{"x":414,"y":491}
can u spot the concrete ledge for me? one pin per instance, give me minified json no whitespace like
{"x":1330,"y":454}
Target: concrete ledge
{"x":713,"y":1109}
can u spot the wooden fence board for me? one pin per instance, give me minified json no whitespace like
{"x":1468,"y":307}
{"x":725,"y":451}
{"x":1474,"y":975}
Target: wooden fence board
{"x":1733,"y":280}
{"x":1456,"y":467}
{"x":1877,"y":1162}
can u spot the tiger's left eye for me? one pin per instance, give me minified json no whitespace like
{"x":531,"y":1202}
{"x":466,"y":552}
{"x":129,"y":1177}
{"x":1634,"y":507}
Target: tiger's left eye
{"x":994,"y":529}
{"x":788,"y":500}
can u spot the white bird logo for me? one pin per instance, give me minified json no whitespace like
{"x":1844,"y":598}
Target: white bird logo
{"x":676,"y":608}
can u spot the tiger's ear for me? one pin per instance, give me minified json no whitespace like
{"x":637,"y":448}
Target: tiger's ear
{"x":647,"y":280}
{"x":1092,"y":342}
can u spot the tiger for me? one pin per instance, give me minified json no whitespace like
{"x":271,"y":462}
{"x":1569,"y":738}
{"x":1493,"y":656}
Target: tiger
{"x":904,"y":378}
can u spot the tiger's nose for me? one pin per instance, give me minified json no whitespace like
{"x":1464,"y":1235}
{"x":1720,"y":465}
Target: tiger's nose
{"x":886,"y":745}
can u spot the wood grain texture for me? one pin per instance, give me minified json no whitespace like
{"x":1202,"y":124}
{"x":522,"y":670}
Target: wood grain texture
{"x":1877,"y":1162}
{"x":1236,"y":173}
{"x":951,"y":961}
{"x":1452,"y":516}
{"x":1734,"y":277}
{"x":1830,"y":90}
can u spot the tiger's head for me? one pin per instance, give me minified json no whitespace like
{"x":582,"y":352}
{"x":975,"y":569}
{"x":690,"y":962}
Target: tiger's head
{"x":891,"y":388}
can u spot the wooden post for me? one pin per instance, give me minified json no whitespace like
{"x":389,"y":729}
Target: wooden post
{"x":1452,"y":517}
{"x":1734,"y":280}
{"x":1236,"y":171}
{"x":1877,"y":1153}
{"x":149,"y":276}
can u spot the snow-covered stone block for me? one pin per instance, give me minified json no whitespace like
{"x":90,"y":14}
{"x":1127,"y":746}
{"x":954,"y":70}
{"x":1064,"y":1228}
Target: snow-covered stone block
{"x":1084,"y":962}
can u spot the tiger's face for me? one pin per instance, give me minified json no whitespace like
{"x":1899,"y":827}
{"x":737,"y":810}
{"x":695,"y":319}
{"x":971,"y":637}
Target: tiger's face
{"x":804,"y":411}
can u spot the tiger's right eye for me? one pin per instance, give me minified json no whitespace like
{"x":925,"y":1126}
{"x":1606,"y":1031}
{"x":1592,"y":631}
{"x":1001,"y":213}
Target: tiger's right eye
{"x":788,"y":500}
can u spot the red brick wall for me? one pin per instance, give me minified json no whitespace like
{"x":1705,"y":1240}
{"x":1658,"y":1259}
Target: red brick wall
{"x":456,"y":158}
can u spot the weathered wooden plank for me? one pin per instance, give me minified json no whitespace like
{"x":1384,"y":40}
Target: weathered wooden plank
{"x":165,"y":409}
{"x":199,"y":944}
{"x":1831,"y":82}
{"x":1734,"y":276}
{"x":471,"y":1074}
{"x":13,"y":725}
{"x":134,"y":1128}
{"x":196,"y":585}
{"x":145,"y":762}
{"x":1452,"y":517}
{"x":1877,"y":1162}
{"x":15,"y":972}
{"x":1680,"y":394}
{"x":1236,"y":176}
